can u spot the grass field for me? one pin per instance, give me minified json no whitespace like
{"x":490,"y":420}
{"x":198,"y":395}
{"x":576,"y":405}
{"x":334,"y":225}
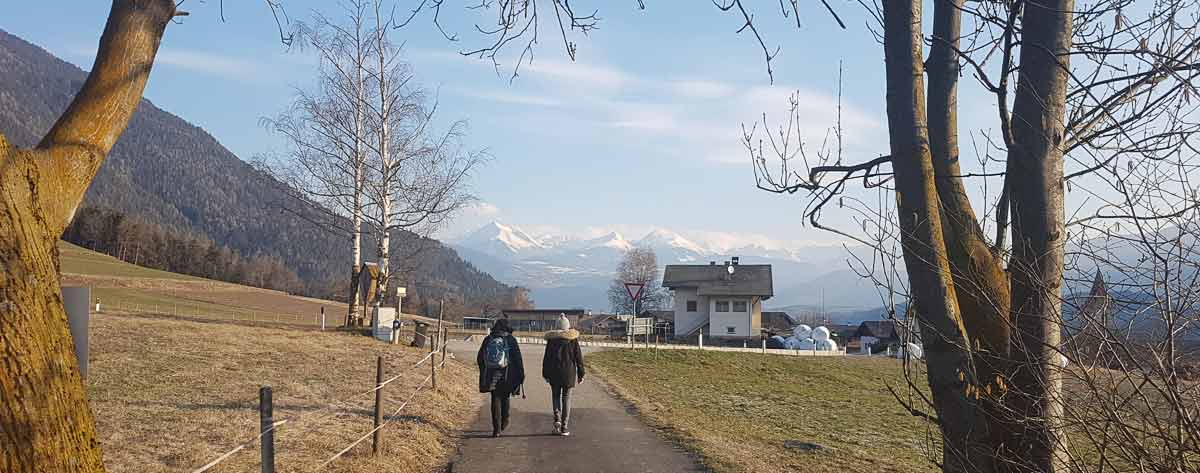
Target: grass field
{"x":172,"y":395}
{"x":745,"y":412}
{"x":124,"y":287}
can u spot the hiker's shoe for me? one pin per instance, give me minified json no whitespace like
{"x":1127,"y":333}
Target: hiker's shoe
{"x":557,"y":427}
{"x":495,"y":433}
{"x":565,"y":433}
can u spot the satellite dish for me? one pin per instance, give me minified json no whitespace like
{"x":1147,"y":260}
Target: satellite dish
{"x":729,"y":269}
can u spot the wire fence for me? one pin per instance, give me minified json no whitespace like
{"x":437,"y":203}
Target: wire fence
{"x":309,"y":422}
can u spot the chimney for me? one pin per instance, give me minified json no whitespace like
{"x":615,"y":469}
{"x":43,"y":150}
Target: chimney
{"x":735,"y":260}
{"x":726,"y":262}
{"x":712,"y":263}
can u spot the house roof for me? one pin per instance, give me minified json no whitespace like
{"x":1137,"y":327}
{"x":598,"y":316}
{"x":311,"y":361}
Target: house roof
{"x":843,"y":331}
{"x":714,"y":280}
{"x":660,"y":315}
{"x":881,"y":329}
{"x":777,"y":322}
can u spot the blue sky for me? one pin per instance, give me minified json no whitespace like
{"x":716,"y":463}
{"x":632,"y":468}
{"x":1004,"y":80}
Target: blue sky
{"x":642,"y":131}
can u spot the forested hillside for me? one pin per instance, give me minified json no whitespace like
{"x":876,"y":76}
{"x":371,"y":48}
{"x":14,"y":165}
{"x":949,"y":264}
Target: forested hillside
{"x":171,"y":174}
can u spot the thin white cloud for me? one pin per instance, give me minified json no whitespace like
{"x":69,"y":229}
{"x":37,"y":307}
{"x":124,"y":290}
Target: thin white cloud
{"x":579,"y":74}
{"x":504,"y":97}
{"x":701,"y":89}
{"x":215,"y":64}
{"x":221,"y":65}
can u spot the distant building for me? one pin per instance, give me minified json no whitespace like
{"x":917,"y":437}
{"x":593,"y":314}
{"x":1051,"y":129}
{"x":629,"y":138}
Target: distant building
{"x":721,"y":301}
{"x":540,"y":320}
{"x":777,"y":323}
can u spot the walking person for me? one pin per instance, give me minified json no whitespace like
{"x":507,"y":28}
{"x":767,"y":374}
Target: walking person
{"x":562,"y":368}
{"x":501,"y":371}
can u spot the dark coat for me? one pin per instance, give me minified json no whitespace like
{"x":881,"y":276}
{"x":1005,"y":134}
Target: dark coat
{"x":563,"y":364}
{"x":506,"y":380}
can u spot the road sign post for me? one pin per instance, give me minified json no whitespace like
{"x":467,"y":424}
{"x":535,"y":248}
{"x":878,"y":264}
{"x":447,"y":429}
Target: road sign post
{"x":634,"y":289}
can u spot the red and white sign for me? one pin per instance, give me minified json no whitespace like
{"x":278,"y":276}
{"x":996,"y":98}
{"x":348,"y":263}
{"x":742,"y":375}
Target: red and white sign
{"x":634,"y":289}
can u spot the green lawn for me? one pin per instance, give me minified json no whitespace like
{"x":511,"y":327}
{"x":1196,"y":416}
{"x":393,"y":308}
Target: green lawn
{"x":737,"y":410}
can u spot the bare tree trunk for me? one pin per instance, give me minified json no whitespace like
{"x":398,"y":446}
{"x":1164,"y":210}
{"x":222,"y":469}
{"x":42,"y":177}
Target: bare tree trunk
{"x":947,"y":349}
{"x":980,"y":282}
{"x":359,"y":155}
{"x":45,"y":421}
{"x":1038,"y":230}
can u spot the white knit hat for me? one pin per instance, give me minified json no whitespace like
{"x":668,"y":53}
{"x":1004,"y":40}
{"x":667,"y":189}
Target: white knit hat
{"x":563,"y":323}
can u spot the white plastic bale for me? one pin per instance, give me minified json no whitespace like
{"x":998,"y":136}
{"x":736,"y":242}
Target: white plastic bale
{"x":825,"y":345}
{"x":806,"y":344}
{"x":820,"y":333}
{"x":915,"y":351}
{"x":801,"y":332}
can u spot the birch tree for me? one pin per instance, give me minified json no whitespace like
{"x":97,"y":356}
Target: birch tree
{"x":326,"y":133}
{"x":417,"y":177}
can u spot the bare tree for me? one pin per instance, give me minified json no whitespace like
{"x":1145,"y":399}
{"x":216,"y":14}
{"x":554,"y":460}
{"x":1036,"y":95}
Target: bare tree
{"x":44,"y":416}
{"x":326,"y":132}
{"x":416,"y":178}
{"x":638,"y":265}
{"x":991,"y":314}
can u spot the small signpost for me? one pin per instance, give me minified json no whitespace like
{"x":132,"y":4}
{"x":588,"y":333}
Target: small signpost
{"x":635,"y":325}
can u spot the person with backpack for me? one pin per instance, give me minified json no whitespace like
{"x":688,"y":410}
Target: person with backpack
{"x":501,"y":371}
{"x":562,"y":368}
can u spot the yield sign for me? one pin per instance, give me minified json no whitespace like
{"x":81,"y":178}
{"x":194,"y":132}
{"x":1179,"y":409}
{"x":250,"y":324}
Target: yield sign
{"x":634,"y":289}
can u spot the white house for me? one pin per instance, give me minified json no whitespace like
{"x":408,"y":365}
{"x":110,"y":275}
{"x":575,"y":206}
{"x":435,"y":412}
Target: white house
{"x":721,"y":301}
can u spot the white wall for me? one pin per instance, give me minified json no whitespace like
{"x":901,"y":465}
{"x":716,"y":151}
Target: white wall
{"x":687,"y":321}
{"x":743,"y":323}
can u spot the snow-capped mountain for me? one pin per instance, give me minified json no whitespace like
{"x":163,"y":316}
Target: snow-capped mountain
{"x":613,"y":241}
{"x":567,"y":271}
{"x":672,"y":247}
{"x":501,"y":241}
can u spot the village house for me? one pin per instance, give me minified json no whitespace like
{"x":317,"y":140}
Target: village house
{"x":720,"y":301}
{"x":539,"y":320}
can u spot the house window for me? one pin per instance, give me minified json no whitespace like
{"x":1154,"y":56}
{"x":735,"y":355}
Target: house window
{"x":691,"y":306}
{"x":739,"y":306}
{"x":730,"y":330}
{"x":722,"y":306}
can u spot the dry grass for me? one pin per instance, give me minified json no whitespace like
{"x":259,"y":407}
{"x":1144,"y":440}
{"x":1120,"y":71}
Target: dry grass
{"x":171,"y":395}
{"x":737,"y":410}
{"x":123,"y":287}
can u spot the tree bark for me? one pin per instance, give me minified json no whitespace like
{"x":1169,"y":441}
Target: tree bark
{"x":947,"y":349}
{"x":45,"y":421}
{"x":1036,"y":267}
{"x":979,"y":279}
{"x":980,"y":282}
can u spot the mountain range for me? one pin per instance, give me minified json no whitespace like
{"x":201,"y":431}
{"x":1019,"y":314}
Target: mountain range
{"x":173,"y":173}
{"x":572,"y":272}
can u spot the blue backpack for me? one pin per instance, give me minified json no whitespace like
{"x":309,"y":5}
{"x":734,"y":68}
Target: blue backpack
{"x":496,"y":353}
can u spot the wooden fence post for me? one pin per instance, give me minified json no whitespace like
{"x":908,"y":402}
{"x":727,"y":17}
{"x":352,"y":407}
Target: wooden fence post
{"x":433,"y":347}
{"x":375,"y":442}
{"x":445,"y":336}
{"x":266,"y":426}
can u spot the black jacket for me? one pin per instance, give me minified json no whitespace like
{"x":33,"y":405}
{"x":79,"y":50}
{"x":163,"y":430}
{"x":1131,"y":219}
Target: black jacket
{"x":504,"y":380}
{"x":563,"y":364}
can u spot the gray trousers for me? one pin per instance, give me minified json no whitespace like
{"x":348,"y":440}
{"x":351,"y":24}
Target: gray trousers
{"x":561,"y":396}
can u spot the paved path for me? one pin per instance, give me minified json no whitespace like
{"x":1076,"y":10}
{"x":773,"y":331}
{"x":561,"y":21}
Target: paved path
{"x":604,"y":436}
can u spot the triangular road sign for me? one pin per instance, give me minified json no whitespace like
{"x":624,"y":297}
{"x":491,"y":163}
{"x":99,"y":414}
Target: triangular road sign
{"x":634,"y":289}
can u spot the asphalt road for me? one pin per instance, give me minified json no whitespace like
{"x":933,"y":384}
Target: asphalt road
{"x":605,"y":437}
